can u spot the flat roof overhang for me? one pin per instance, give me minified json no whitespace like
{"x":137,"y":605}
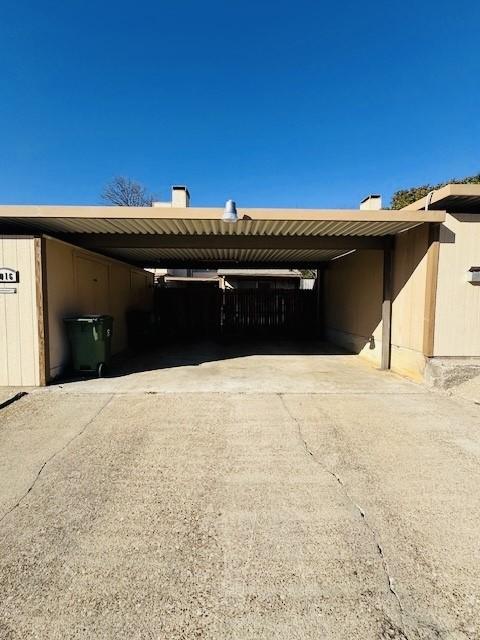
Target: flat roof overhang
{"x":164,"y":237}
{"x":454,"y":198}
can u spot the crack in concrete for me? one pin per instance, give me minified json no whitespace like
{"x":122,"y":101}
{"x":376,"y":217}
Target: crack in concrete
{"x":14,"y":398}
{"x":54,"y":455}
{"x":361,"y":511}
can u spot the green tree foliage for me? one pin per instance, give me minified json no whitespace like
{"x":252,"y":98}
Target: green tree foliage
{"x":404,"y":197}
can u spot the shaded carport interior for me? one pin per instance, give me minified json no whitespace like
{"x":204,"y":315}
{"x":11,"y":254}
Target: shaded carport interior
{"x":198,"y":237}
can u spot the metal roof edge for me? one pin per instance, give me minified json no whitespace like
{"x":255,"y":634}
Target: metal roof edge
{"x":205,"y":213}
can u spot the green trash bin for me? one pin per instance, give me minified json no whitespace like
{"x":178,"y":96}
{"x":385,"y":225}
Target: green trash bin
{"x":90,"y":340}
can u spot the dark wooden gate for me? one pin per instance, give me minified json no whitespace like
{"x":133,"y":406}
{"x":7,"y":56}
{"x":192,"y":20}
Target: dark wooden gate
{"x":212,"y":312}
{"x":190,"y":312}
{"x":268,"y":312}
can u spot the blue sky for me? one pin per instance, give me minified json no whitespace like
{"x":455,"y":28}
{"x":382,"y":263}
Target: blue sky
{"x":301,"y":103}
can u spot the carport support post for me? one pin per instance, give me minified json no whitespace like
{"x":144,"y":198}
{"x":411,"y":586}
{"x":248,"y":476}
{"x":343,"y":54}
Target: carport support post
{"x":386,"y":309}
{"x":40,"y":245}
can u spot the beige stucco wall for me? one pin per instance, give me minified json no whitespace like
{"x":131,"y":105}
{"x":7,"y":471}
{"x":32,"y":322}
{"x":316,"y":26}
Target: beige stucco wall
{"x":353,"y":297}
{"x":19,"y":352}
{"x":408,"y":306}
{"x":457,"y":318}
{"x":80,"y":281}
{"x":353,"y":302}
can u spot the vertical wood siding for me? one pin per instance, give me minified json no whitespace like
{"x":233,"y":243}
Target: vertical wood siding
{"x":19,"y":348}
{"x":81,"y":282}
{"x":457,"y":320}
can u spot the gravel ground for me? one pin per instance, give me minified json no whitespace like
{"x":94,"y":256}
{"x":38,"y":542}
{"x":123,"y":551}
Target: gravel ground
{"x":240,"y":515}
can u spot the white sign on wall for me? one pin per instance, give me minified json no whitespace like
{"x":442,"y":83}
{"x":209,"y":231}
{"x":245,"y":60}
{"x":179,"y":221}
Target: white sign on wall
{"x":8,"y":276}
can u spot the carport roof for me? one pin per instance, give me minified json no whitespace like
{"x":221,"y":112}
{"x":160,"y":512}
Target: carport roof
{"x":151,"y":236}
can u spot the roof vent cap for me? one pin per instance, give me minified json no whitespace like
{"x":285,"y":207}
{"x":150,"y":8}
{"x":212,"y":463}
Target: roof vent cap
{"x":230,"y":212}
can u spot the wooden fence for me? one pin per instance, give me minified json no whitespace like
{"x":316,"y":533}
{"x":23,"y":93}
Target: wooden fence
{"x":212,"y":312}
{"x":267,"y":311}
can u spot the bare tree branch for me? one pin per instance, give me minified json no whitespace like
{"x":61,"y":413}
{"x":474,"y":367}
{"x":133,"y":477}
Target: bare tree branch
{"x":124,"y":192}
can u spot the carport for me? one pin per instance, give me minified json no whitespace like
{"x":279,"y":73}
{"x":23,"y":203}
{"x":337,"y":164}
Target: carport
{"x":148,"y":237}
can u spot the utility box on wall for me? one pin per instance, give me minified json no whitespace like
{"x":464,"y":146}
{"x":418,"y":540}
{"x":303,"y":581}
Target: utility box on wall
{"x":473,"y":275}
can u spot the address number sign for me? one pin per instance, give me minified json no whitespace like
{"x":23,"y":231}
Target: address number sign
{"x":8,"y":275}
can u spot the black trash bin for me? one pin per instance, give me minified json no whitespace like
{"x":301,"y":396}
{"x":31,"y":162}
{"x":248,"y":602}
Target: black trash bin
{"x":90,"y":338}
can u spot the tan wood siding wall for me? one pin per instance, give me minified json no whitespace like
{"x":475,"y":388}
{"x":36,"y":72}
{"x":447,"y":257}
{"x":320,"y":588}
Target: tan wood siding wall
{"x":353,"y":302}
{"x":457,"y":318}
{"x":79,"y":282}
{"x":409,"y":291}
{"x":19,"y":344}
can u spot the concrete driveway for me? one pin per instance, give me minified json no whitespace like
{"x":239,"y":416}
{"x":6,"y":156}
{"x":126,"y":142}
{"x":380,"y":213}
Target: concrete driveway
{"x":232,"y":508}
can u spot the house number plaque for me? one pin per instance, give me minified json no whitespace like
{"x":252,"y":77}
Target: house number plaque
{"x":8,"y":276}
